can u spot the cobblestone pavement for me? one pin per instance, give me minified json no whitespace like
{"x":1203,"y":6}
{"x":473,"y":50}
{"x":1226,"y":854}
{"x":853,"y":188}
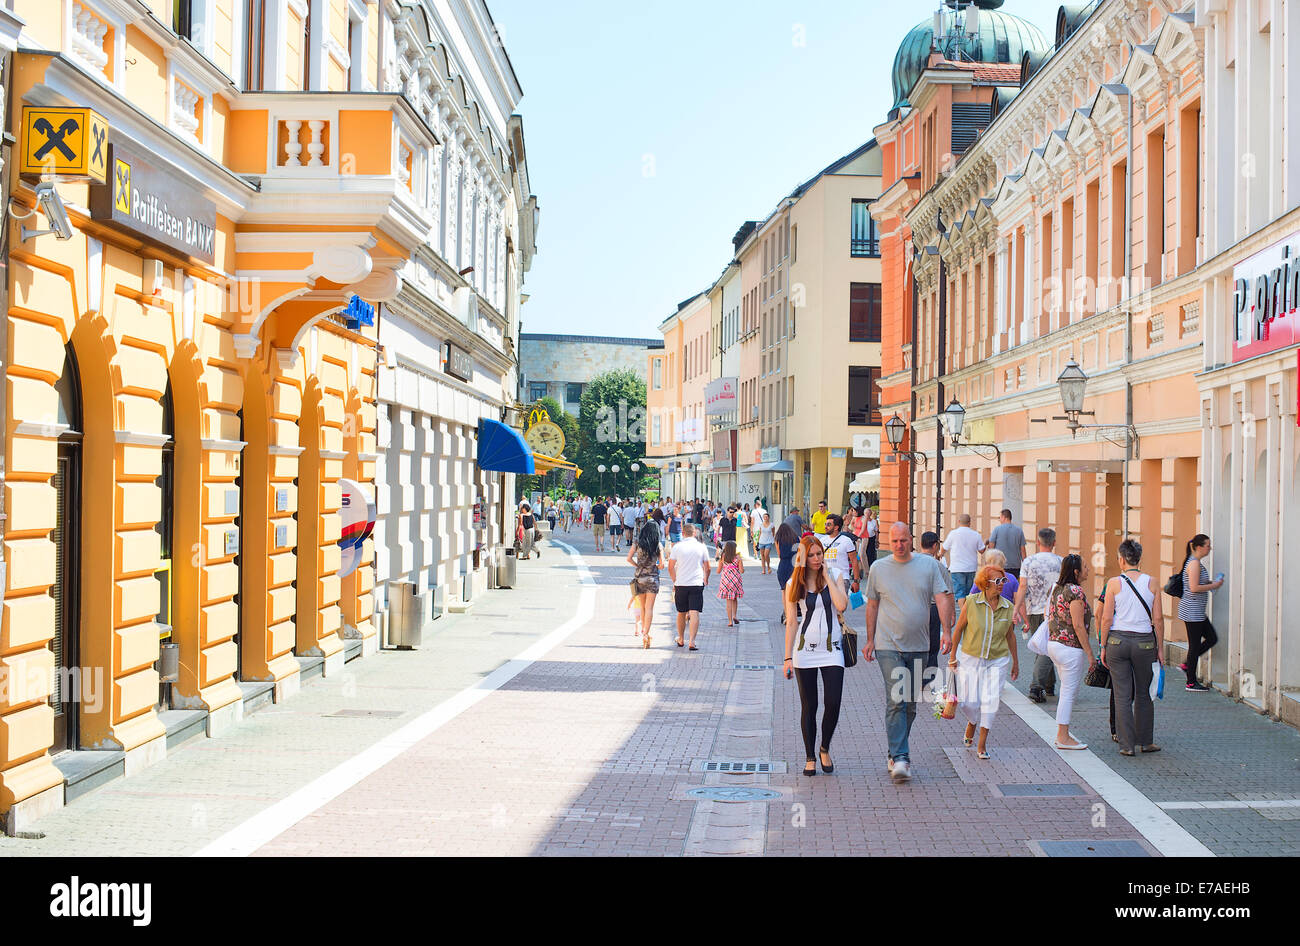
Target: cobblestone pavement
{"x":536,"y":725}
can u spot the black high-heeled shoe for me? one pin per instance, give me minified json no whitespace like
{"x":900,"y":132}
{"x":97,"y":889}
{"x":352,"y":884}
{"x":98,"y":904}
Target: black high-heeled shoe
{"x":813,"y":770}
{"x":828,"y":769}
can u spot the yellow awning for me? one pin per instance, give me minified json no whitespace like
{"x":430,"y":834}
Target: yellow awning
{"x":545,"y":464}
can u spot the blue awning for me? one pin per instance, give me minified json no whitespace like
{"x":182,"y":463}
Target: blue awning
{"x":500,"y":448}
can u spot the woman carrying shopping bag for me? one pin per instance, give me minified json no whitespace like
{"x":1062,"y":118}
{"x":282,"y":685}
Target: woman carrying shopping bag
{"x":1069,"y":621}
{"x":984,"y":649}
{"x":1132,"y":641}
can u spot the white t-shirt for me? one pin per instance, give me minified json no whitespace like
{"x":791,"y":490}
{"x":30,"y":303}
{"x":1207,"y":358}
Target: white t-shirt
{"x":690,"y":556}
{"x":756,"y":519}
{"x":837,"y":554}
{"x":613,"y":518}
{"x":964,"y":544}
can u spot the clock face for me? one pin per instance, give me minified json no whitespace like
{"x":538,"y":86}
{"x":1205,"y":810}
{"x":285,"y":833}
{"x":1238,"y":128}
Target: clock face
{"x":545,"y":438}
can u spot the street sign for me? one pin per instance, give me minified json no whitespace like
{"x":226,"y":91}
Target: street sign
{"x":866,"y":446}
{"x":69,"y":142}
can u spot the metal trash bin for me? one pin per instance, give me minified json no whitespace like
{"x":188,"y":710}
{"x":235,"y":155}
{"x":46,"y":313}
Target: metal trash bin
{"x":507,"y":568}
{"x":405,"y":615}
{"x":169,"y":662}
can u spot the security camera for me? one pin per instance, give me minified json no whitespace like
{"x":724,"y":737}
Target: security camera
{"x":47,"y":197}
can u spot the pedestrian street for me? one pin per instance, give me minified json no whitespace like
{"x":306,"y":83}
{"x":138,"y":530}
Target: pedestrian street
{"x":536,"y":725}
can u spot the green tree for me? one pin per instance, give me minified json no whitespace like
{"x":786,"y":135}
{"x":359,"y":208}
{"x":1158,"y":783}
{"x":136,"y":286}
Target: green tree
{"x":611,"y":430}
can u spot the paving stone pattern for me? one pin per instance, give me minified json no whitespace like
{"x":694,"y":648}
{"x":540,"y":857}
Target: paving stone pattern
{"x":594,"y":747}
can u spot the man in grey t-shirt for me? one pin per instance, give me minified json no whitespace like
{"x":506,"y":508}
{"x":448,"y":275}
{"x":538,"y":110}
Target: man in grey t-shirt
{"x":899,"y":592}
{"x":1009,"y":539}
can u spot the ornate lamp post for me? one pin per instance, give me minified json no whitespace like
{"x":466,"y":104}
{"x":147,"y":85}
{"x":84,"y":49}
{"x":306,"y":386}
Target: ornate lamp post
{"x":1073,"y":384}
{"x":600,"y":468}
{"x":696,"y":460}
{"x":614,"y":470}
{"x":895,"y":428}
{"x":953,"y":419}
{"x":636,"y":468}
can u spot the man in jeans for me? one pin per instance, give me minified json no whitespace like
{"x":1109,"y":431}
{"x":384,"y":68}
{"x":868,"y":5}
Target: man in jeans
{"x":1038,"y":577}
{"x":900,"y":590}
{"x":963,"y":546}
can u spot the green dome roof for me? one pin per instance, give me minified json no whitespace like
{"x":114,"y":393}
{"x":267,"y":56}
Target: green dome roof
{"x":1003,"y":38}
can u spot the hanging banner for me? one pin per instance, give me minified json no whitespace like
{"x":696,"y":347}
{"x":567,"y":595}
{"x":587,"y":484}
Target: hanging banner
{"x":1266,"y":300}
{"x":720,"y":396}
{"x":358,"y":521}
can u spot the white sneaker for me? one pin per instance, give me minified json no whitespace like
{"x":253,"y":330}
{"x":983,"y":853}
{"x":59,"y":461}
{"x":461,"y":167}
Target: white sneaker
{"x":901,"y":771}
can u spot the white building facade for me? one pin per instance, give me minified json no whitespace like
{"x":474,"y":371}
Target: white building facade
{"x":1251,"y":493}
{"x":449,"y":337}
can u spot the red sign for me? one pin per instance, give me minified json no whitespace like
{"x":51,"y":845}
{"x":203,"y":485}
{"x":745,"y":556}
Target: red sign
{"x":724,"y":451}
{"x":1266,"y":300}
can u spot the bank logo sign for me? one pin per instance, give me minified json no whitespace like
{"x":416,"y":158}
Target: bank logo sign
{"x":69,"y":142}
{"x":154,"y":202}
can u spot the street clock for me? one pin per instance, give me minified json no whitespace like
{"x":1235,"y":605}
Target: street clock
{"x":544,"y":436}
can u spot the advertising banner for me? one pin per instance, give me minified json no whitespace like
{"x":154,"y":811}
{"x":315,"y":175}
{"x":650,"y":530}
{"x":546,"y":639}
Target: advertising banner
{"x":720,"y":396}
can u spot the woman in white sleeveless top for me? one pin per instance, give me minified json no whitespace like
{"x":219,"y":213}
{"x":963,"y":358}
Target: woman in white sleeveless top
{"x":1131,"y":641}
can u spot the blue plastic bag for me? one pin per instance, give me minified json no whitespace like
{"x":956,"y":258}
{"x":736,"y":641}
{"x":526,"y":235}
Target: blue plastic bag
{"x":856,"y":600}
{"x":1157,"y":681}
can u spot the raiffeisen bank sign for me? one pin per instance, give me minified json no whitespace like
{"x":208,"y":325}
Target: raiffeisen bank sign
{"x":157,"y":204}
{"x":1266,"y":300}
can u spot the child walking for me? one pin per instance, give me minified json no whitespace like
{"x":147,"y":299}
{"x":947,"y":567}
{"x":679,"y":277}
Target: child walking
{"x":731,"y":584}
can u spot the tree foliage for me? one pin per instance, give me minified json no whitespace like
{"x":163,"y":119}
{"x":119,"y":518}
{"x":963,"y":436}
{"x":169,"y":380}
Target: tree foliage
{"x":611,"y":431}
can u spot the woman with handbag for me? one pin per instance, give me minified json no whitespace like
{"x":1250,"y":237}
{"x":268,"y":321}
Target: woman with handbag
{"x":1196,"y":589}
{"x":528,"y":524}
{"x":983,"y":650}
{"x":647,"y":557}
{"x":1069,"y":621}
{"x":1131,"y":635}
{"x":815,"y":644}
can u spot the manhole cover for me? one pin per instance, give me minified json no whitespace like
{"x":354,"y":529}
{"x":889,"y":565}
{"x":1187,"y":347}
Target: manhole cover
{"x":753,"y":667}
{"x":1093,"y":849}
{"x":736,"y":793}
{"x":364,"y":714}
{"x":1046,"y":790}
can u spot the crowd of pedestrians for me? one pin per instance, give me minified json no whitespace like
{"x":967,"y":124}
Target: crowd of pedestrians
{"x":969,"y":598}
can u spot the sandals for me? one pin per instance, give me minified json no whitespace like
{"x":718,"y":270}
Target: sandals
{"x":692,"y":647}
{"x":1151,"y":748}
{"x":1127,"y":752}
{"x":982,"y":754}
{"x":680,"y":642}
{"x":645,"y":642}
{"x":1077,"y":745}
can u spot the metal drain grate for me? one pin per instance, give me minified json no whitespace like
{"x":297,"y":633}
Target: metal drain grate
{"x":753,"y":666}
{"x":743,"y":767}
{"x":732,"y":793}
{"x":1052,"y":790}
{"x":1093,"y":849}
{"x":364,"y":714}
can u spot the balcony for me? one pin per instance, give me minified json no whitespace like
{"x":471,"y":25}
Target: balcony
{"x":330,"y":159}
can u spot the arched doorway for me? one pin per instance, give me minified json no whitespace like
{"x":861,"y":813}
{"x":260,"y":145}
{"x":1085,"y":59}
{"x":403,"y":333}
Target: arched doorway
{"x":67,"y":558}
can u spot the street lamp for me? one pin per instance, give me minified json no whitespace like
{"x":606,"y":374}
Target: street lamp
{"x":696,"y":460}
{"x":1073,"y":384}
{"x":600,"y":468}
{"x":894,"y":430}
{"x":953,"y":419}
{"x":636,"y":468}
{"x":614,"y":470}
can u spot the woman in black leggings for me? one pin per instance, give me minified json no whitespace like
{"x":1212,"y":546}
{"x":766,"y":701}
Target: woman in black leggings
{"x":813,"y":643}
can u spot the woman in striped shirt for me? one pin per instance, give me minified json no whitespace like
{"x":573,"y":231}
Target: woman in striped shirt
{"x":1191,"y":608}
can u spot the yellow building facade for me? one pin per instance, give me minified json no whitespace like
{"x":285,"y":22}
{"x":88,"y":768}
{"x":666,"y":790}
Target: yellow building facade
{"x":193,"y":369}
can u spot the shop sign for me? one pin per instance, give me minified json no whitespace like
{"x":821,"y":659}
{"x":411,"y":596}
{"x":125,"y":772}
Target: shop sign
{"x":1080,"y":466}
{"x":457,"y":362}
{"x":724,"y":451}
{"x":358,"y":313}
{"x":357,"y":521}
{"x":720,"y":396}
{"x":769,"y":455}
{"x":690,"y":430}
{"x":838,"y":453}
{"x":1266,"y":300}
{"x":69,"y":142}
{"x":155,"y":203}
{"x":866,"y":446}
{"x":478,"y":514}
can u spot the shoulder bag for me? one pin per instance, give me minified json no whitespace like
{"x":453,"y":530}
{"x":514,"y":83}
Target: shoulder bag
{"x":1174,"y":586}
{"x":1099,"y":675}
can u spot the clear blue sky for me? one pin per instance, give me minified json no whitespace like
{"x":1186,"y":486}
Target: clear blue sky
{"x":655,"y":130}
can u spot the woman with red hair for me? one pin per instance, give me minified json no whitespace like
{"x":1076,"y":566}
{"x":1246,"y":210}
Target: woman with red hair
{"x":815,"y":644}
{"x":984,"y":647}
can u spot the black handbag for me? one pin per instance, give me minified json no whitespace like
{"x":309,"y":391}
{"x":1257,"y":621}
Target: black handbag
{"x":1174,"y":586}
{"x":1098,"y":676}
